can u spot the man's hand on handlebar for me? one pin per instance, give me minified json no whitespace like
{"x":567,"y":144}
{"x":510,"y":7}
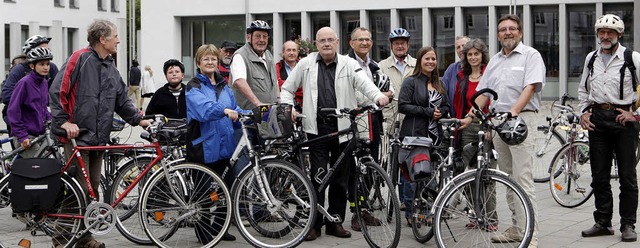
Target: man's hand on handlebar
{"x":72,"y":130}
{"x":382,"y":101}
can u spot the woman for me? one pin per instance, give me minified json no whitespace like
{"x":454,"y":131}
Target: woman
{"x":211,"y":111}
{"x":148,"y":86}
{"x":474,"y":60}
{"x":423,"y":101}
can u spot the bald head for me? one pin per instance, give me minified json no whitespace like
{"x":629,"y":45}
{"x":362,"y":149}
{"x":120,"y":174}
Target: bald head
{"x":327,"y":43}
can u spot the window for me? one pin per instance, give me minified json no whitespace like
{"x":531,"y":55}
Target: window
{"x":582,"y":39}
{"x":292,"y":26}
{"x":449,"y":22}
{"x":348,"y":22}
{"x":380,"y":34}
{"x":115,"y":5}
{"x":73,"y":4}
{"x":412,"y":23}
{"x":624,"y":11}
{"x":102,"y":5}
{"x":546,"y":38}
{"x":476,"y":23}
{"x":319,"y":20}
{"x":58,"y":3}
{"x":443,"y":38}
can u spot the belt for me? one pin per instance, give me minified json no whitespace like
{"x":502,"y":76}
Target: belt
{"x":609,"y":106}
{"x":529,"y":110}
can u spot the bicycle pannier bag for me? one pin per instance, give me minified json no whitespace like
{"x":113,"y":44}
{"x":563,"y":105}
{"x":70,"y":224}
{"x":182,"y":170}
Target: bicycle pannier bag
{"x":35,"y":183}
{"x":414,"y":158}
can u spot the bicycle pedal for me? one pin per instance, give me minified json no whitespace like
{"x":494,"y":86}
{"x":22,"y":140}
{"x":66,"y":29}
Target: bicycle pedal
{"x":336,"y":218}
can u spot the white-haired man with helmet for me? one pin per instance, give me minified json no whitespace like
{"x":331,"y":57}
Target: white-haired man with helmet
{"x":20,"y":70}
{"x":27,"y":112}
{"x":253,"y":73}
{"x":607,"y":94}
{"x":398,"y":67}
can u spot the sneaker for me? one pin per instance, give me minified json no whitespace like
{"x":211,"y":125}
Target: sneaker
{"x":512,"y":234}
{"x":245,"y":221}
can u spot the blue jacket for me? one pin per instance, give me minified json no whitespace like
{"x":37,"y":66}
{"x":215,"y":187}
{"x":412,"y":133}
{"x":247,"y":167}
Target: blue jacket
{"x":450,"y":79}
{"x":210,"y":135}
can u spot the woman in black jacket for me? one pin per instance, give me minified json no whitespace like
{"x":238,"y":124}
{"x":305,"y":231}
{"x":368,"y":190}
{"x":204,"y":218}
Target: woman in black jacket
{"x":423,"y":99}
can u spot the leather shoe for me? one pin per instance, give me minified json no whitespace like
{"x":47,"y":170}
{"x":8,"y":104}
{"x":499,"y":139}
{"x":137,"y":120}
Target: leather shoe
{"x":228,"y":237}
{"x":355,"y":224}
{"x":336,"y":229}
{"x":313,"y":234}
{"x":597,"y":230}
{"x":628,"y":233}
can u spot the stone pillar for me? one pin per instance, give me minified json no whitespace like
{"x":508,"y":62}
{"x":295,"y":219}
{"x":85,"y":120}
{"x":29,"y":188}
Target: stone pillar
{"x":15,"y":39}
{"x":278,"y":36}
{"x":305,"y":25}
{"x":121,"y":23}
{"x":427,"y":38}
{"x":57,"y":42}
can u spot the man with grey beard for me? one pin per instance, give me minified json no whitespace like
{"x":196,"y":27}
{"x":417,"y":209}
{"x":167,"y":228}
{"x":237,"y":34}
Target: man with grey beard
{"x":606,"y":94}
{"x":517,"y":74}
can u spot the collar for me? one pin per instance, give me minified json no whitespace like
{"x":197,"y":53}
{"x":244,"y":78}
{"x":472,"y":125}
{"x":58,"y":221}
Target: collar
{"x":519,"y":49}
{"x":398,"y":62}
{"x":619,"y":51}
{"x":220,"y":81}
{"x":319,"y":58}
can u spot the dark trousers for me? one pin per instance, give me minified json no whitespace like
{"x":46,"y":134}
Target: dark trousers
{"x":374,"y":148}
{"x":322,"y":155}
{"x":610,"y":137}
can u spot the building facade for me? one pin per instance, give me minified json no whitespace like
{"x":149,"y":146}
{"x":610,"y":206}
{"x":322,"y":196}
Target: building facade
{"x":562,"y":30}
{"x":66,"y":21}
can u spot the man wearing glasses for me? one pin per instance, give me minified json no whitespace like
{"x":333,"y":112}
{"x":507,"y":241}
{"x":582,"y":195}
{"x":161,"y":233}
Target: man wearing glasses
{"x":517,"y":74}
{"x":329,"y":80}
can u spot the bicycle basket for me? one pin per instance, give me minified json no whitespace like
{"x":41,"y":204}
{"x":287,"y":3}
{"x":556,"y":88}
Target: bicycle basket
{"x":35,"y":183}
{"x":273,"y":121}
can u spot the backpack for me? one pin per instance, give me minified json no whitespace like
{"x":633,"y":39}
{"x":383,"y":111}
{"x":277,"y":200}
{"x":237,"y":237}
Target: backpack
{"x":628,"y":63}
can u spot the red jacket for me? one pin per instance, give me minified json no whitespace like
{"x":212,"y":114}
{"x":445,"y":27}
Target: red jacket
{"x":282,"y":76}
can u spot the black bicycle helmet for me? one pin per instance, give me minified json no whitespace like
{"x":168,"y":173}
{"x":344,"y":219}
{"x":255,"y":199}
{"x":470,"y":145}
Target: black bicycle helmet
{"x":382,"y":81}
{"x":170,"y":63}
{"x":39,"y":53}
{"x":399,"y":33}
{"x":33,"y":42}
{"x":513,"y":131}
{"x":258,"y":25}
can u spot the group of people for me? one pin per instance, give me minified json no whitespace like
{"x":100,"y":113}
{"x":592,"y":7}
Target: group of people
{"x":230,"y":80}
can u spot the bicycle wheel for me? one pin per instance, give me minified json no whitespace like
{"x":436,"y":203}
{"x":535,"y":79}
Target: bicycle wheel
{"x":197,"y":215}
{"x":546,"y":144}
{"x":377,"y":196}
{"x":45,"y":229}
{"x":472,"y":213}
{"x":572,"y":187}
{"x":424,"y":196}
{"x":288,"y":222}
{"x":129,"y":227}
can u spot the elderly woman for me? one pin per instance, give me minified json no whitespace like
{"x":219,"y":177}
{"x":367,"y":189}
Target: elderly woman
{"x":423,"y":101}
{"x":211,"y":111}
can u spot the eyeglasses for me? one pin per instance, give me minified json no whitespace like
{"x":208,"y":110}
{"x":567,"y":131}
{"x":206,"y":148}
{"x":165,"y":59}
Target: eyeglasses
{"x":511,"y":29}
{"x":362,"y":40}
{"x":325,"y":41}
{"x":260,"y":37}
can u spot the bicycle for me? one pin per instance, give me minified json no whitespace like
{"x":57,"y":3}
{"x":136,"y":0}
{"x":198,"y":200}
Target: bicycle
{"x":471,"y":198}
{"x":548,"y":140}
{"x":570,"y":169}
{"x":270,"y":186}
{"x":426,"y":189}
{"x":172,"y":198}
{"x":374,"y":190}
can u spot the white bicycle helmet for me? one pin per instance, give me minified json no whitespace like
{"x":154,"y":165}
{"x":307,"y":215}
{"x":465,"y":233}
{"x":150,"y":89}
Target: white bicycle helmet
{"x":513,"y":131}
{"x":610,"y":21}
{"x":34,"y":41}
{"x":259,"y":25}
{"x":399,"y":33}
{"x":39,"y":53}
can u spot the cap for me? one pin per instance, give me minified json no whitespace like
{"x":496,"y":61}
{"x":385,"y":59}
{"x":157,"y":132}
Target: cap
{"x":228,"y":44}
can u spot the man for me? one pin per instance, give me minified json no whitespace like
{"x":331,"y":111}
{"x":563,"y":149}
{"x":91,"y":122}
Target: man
{"x":398,"y":67}
{"x":253,"y":74}
{"x":228,"y":48}
{"x":337,"y":77}
{"x":290,"y":52}
{"x":361,"y":44}
{"x":606,"y":104}
{"x":22,"y":69}
{"x":134,"y":84}
{"x":85,"y":97}
{"x":517,"y":74}
{"x":449,"y":78}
